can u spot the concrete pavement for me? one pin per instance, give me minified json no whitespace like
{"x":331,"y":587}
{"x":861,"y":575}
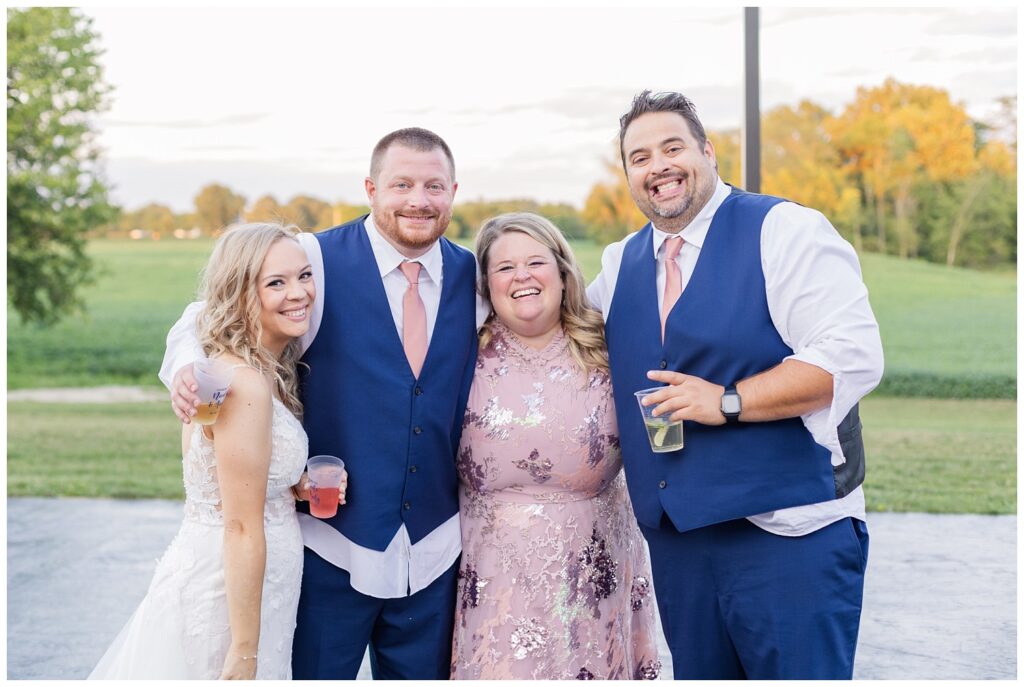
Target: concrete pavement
{"x":940,"y":596}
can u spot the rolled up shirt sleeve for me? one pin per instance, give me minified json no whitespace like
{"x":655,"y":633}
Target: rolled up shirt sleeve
{"x":182,"y":343}
{"x":819,"y":304}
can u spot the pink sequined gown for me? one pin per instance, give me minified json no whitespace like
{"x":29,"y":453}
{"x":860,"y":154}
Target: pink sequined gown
{"x":554,"y":581}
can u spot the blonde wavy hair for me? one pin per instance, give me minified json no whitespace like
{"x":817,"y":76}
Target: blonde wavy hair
{"x":583,"y":326}
{"x":230,"y":321}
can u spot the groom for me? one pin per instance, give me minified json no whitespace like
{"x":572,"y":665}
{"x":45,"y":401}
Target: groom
{"x":391,"y":349}
{"x":752,"y":311}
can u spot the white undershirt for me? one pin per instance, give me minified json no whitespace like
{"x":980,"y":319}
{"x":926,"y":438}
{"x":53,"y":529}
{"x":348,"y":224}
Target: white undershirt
{"x":819,"y":305}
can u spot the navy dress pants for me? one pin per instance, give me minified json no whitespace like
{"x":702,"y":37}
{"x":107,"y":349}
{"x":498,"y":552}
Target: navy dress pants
{"x":737,"y":602}
{"x":410,"y":638}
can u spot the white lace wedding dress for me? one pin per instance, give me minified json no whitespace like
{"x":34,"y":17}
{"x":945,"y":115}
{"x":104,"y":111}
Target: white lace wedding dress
{"x":181,"y":630}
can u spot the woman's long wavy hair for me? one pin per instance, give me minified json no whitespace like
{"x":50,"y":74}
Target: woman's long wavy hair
{"x":583,"y":326}
{"x":230,"y":321}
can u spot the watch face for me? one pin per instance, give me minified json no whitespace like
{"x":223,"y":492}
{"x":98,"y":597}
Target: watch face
{"x":731,"y":404}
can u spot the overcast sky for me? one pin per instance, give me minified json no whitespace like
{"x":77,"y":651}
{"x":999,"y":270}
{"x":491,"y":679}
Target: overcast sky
{"x":288,"y":101}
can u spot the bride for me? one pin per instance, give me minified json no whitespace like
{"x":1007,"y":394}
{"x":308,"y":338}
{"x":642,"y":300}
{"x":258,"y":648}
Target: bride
{"x":223,"y":599}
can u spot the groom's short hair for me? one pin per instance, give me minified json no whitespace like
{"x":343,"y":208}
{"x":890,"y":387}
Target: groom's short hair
{"x":415,"y":138}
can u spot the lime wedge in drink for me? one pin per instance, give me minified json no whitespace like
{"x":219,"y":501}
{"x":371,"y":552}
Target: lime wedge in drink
{"x":659,"y":436}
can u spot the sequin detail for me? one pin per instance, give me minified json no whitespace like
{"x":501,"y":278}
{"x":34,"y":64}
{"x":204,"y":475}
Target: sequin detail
{"x":598,"y":566}
{"x":638,"y":594}
{"x":528,"y":636}
{"x":539,"y":469}
{"x":550,"y":547}
{"x":470,"y":471}
{"x":648,"y":670}
{"x":472,"y":587}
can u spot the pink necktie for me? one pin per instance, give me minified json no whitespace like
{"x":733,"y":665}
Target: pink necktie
{"x":673,"y":279}
{"x":414,"y":319}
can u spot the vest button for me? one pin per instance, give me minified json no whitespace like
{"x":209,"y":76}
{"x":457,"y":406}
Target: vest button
{"x":417,"y":391}
{"x":663,"y":364}
{"x":407,"y":505}
{"x":412,"y":468}
{"x":417,"y":430}
{"x":662,"y":484}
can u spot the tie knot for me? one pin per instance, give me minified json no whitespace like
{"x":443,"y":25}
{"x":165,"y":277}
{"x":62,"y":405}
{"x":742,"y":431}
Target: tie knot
{"x":672,"y":247}
{"x":411,"y":270}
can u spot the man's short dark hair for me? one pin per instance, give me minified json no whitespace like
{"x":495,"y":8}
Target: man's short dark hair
{"x":668,"y":101}
{"x":415,"y":138}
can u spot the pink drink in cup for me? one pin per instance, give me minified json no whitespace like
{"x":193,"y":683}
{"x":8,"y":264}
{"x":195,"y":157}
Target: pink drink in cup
{"x":325,"y":473}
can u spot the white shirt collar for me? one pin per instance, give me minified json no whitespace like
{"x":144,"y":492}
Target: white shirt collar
{"x":388,"y":258}
{"x":695,"y":232}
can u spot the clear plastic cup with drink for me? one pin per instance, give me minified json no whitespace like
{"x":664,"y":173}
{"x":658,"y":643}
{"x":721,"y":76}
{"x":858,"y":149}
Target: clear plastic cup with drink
{"x":325,"y":473}
{"x":213,"y":378}
{"x":664,"y":434}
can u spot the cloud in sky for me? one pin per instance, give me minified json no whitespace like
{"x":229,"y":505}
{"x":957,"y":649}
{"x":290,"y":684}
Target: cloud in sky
{"x":987,"y":23}
{"x":779,"y":16}
{"x":992,"y":54}
{"x":229,"y":120}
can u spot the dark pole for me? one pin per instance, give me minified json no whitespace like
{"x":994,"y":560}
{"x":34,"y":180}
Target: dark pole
{"x":751,"y":139}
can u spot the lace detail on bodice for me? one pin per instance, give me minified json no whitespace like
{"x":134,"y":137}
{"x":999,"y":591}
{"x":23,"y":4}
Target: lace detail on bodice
{"x":289,"y":449}
{"x":507,"y":345}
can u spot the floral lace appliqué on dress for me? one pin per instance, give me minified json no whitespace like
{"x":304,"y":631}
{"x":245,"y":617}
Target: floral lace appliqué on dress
{"x":554,"y":578}
{"x":181,"y":629}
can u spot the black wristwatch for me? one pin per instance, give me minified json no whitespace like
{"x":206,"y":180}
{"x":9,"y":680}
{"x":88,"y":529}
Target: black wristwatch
{"x":732,"y":405}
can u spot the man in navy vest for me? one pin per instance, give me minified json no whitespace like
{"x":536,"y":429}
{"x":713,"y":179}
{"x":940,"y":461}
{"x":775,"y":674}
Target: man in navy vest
{"x":753,"y":312}
{"x":382,"y":572}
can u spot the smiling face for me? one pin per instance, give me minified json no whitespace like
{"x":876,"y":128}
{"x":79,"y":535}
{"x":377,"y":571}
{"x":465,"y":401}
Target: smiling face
{"x":411,"y":198}
{"x":525,"y":287}
{"x":671,"y":176}
{"x":285,"y":289}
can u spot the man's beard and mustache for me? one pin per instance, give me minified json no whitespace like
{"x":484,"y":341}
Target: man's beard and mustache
{"x":390,"y":225}
{"x":685,"y":207}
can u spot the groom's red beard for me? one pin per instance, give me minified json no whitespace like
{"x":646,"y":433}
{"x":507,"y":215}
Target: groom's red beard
{"x":396,"y":227}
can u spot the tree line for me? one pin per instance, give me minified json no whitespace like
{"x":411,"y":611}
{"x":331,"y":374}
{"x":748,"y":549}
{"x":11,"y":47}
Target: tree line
{"x":901,"y":170}
{"x":217,"y":206}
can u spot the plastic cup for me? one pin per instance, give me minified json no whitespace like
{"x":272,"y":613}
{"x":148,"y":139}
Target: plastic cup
{"x":325,"y":474}
{"x":664,"y":434}
{"x":213,"y":378}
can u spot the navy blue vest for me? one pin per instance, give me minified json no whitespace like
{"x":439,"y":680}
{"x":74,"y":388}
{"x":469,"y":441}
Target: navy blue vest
{"x":720,"y":330}
{"x":397,"y":435}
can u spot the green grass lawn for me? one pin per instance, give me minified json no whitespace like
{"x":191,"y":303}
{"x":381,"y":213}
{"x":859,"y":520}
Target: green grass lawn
{"x":945,"y":320}
{"x":130,"y":450}
{"x":141,"y":291}
{"x":923,"y":455}
{"x":941,"y":455}
{"x":934,"y":320}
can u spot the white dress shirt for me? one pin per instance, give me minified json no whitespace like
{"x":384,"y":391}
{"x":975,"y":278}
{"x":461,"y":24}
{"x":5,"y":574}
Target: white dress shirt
{"x":403,"y":568}
{"x":819,"y":305}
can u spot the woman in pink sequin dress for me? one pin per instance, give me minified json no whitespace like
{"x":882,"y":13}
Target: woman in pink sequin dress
{"x":554,"y":581}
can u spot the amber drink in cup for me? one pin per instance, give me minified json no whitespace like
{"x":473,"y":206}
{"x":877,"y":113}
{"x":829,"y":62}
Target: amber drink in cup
{"x":213,"y":378}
